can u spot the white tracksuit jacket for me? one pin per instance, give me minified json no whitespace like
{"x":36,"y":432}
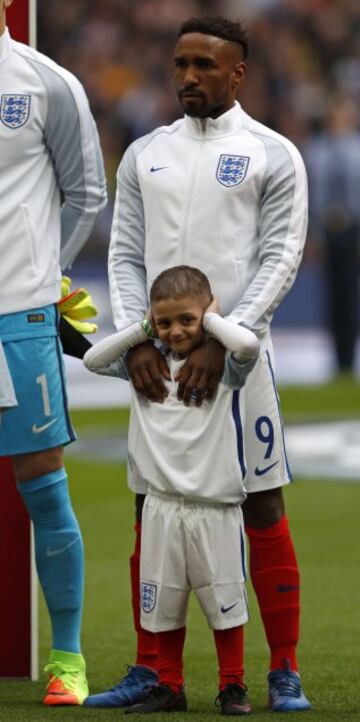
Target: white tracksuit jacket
{"x":50,"y":158}
{"x":226,"y":195}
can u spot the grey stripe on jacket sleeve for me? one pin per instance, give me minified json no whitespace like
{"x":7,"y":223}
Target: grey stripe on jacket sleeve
{"x":72,"y":140}
{"x":127,"y":274}
{"x":282,"y":233}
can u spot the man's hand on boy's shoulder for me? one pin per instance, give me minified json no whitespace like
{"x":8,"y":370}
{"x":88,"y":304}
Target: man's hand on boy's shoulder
{"x":199,"y":377}
{"x":147,"y":369}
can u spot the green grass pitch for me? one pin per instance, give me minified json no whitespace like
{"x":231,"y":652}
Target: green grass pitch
{"x":325,"y":524}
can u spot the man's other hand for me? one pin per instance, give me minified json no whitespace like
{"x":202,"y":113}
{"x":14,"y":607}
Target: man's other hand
{"x":199,"y":377}
{"x":147,"y":369}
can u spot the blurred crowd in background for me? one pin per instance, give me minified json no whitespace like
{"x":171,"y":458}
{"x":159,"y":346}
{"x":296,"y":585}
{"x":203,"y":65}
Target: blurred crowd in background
{"x":303,"y":81}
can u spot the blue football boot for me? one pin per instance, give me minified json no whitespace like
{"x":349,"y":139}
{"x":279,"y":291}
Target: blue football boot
{"x":285,"y":692}
{"x":133,"y":688}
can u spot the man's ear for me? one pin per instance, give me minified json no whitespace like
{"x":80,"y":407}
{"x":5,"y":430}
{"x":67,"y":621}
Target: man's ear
{"x":238,"y":74}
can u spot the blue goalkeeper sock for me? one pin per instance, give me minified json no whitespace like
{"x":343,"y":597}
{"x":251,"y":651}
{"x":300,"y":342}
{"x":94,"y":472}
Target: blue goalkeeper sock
{"x":59,"y":554}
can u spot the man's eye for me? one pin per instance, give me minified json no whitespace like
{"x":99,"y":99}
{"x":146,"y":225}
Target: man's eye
{"x":204,"y":64}
{"x":179,"y":63}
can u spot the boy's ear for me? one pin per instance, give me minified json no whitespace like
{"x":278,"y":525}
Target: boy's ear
{"x":153,"y":324}
{"x":151,"y":320}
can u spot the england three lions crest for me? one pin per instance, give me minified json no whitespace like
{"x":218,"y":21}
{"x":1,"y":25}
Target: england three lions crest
{"x":14,"y":110}
{"x":148,"y":597}
{"x":232,"y":169}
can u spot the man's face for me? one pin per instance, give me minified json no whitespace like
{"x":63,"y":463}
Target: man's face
{"x":208,"y":72}
{"x":178,"y":322}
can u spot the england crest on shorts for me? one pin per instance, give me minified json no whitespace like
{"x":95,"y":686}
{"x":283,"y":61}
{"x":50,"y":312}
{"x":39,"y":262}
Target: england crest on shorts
{"x":14,"y":110}
{"x":148,"y":597}
{"x":232,"y":169}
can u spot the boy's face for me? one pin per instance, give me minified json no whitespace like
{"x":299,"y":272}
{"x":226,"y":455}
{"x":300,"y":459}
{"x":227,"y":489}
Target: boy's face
{"x":178,"y":322}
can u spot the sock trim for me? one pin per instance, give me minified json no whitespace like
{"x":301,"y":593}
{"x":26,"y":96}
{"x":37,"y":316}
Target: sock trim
{"x":41,"y":482}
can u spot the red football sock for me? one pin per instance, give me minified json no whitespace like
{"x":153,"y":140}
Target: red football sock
{"x":146,"y":652}
{"x":276,"y":580}
{"x":170,"y":658}
{"x":230,"y":653}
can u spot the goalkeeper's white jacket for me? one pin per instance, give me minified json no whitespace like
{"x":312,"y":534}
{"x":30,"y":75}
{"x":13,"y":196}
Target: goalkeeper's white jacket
{"x":50,"y":159}
{"x":228,"y":196}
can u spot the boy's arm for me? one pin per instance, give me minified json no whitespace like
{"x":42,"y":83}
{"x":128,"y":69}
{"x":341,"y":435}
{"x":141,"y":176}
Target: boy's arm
{"x":242,"y":342}
{"x":102,"y":354}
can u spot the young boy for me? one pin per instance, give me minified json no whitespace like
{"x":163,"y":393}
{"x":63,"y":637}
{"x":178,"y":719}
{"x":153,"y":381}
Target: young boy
{"x":193,"y":461}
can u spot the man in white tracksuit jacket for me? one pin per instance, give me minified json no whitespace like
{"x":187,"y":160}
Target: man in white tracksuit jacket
{"x":219,"y":191}
{"x":52,"y":188}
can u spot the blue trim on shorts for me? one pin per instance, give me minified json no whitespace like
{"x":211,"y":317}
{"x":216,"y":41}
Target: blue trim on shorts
{"x":239,"y":431}
{"x":69,"y":427}
{"x":243,"y":557}
{"x":280,"y":415}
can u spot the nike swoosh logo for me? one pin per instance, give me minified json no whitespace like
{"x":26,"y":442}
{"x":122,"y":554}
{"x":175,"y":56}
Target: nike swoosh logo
{"x":260,"y":472}
{"x":54,"y":552}
{"x":226,"y":608}
{"x":162,"y":167}
{"x":38,"y":429}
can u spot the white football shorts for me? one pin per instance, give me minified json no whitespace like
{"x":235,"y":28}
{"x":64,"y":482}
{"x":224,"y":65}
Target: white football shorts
{"x":267,"y":465}
{"x":187,"y":545}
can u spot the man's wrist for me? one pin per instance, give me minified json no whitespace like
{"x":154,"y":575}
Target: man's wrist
{"x":212,"y":341}
{"x":146,"y":342}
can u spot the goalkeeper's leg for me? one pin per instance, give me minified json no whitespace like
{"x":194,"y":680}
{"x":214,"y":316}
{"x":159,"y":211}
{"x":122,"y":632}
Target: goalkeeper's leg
{"x":42,"y":483}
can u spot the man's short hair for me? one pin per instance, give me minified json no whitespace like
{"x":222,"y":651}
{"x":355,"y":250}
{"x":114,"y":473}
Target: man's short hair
{"x":220,"y":27}
{"x":180,"y":281}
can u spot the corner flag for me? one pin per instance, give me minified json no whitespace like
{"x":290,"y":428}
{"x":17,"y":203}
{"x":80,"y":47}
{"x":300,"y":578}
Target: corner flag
{"x":18,"y":580}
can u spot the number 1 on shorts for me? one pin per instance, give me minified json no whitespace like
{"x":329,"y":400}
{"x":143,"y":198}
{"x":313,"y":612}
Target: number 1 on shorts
{"x":42,"y":380}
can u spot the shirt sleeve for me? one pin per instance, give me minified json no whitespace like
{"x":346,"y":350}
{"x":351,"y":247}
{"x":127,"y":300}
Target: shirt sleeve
{"x":127,"y":273}
{"x":72,"y":140}
{"x":242,"y":348}
{"x":283,"y":216}
{"x":111,"y":349}
{"x":239,"y":340}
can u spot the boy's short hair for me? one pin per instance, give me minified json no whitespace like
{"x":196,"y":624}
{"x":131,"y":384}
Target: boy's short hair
{"x":180,"y":281}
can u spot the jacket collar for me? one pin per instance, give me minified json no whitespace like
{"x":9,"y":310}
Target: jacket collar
{"x":4,"y":45}
{"x":226,"y":124}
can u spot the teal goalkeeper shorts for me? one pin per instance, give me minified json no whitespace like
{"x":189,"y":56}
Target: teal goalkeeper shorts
{"x":34,"y":356}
